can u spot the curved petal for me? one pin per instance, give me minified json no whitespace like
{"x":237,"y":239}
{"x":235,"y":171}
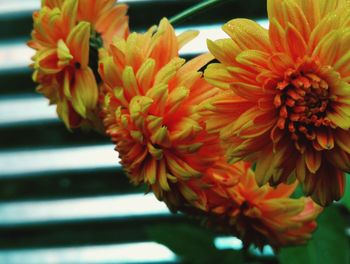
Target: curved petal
{"x":297,"y":44}
{"x":48,"y":61}
{"x":339,"y":158}
{"x":248,"y":34}
{"x":167,"y":45}
{"x":69,"y":14}
{"x":342,"y":139}
{"x":328,"y":185}
{"x":85,"y":91}
{"x":217,"y":75}
{"x":186,"y":37}
{"x":313,"y":160}
{"x":78,"y":43}
{"x":327,"y":6}
{"x":224,"y":50}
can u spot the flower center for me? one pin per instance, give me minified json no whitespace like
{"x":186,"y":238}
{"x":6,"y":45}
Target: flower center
{"x":302,"y":100}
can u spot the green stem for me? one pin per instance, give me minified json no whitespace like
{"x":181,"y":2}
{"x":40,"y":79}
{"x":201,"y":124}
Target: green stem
{"x":186,"y":14}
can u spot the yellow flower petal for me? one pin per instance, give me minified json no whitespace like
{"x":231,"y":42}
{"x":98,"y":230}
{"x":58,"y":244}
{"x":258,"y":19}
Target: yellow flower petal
{"x":85,"y":91}
{"x":186,"y":37}
{"x":247,"y":34}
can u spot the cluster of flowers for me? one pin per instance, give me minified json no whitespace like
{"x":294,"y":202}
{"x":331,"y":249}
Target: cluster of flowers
{"x":278,"y":99}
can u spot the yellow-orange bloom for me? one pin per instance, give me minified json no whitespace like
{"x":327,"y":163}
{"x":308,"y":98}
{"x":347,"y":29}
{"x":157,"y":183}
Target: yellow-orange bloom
{"x":259,"y":215}
{"x":150,"y":100}
{"x":288,"y":108}
{"x":108,"y":19}
{"x":66,"y":37}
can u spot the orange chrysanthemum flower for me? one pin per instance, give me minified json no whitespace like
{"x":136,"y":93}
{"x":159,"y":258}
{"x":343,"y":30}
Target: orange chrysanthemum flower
{"x":107,"y":18}
{"x":258,"y":215}
{"x":150,"y":100}
{"x":67,"y":36}
{"x":150,"y":112}
{"x":288,"y":108}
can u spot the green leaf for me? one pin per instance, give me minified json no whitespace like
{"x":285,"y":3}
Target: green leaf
{"x":231,"y":257}
{"x":298,"y":193}
{"x":192,"y":244}
{"x":346,"y":198}
{"x":329,"y":243}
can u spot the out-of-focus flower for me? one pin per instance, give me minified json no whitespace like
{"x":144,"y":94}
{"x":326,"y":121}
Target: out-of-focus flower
{"x":108,"y":19}
{"x":260,"y":215}
{"x":149,"y":108}
{"x":288,"y":108}
{"x":67,"y":36}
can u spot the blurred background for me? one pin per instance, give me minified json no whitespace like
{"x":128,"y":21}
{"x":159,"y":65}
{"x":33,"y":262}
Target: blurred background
{"x":64,"y":197}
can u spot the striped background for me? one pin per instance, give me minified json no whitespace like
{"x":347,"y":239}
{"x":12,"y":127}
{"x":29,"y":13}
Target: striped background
{"x":63,"y":196}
